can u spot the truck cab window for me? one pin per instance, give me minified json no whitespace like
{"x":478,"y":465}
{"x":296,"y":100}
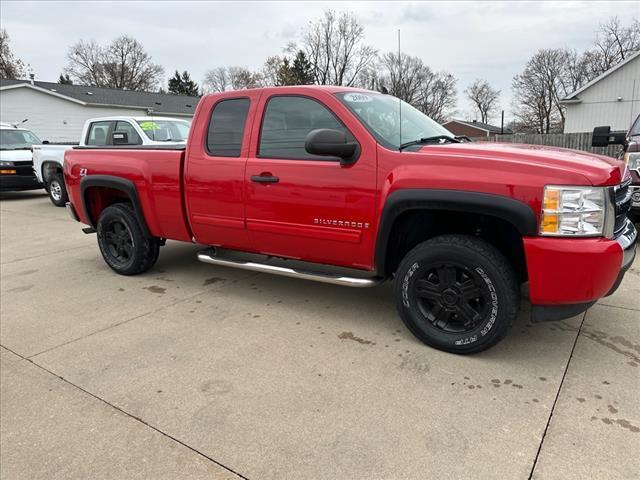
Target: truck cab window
{"x":98,"y":133}
{"x":132,"y":135}
{"x":226,"y":127}
{"x":286,"y":124}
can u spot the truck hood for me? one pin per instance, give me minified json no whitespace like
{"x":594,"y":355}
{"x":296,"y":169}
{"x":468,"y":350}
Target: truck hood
{"x":15,"y":155}
{"x":597,"y":169}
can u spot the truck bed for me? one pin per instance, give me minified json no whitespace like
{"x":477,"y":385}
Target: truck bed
{"x":155,"y":172}
{"x":131,"y":147}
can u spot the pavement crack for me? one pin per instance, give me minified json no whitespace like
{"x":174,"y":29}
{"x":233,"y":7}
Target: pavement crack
{"x":130,"y":415}
{"x":555,"y":400}
{"x":95,"y":332}
{"x":618,"y":306}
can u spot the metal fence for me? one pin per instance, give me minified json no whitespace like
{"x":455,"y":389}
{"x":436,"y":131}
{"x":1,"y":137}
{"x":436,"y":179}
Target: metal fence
{"x":577,"y":141}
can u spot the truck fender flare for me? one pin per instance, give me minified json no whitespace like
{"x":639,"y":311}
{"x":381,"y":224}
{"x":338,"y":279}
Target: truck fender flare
{"x":116,"y":183}
{"x":47,"y":164}
{"x":517,"y":213}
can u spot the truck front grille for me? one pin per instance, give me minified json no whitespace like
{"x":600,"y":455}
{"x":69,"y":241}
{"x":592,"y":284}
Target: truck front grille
{"x":622,"y":197}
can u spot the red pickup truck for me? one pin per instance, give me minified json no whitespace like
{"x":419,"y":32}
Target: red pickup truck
{"x":353,"y":187}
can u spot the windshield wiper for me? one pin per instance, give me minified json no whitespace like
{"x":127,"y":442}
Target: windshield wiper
{"x":429,"y":140}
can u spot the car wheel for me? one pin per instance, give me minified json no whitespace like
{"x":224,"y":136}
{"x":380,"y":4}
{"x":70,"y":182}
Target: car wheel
{"x":57,"y":190}
{"x":457,"y":293}
{"x":123,"y":243}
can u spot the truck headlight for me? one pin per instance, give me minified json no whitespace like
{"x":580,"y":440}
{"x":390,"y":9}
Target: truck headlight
{"x":6,"y":164}
{"x":633,"y":161}
{"x":577,"y":212}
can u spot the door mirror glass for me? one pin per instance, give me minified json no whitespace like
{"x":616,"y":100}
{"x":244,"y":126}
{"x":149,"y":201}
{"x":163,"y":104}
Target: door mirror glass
{"x":120,"y":138}
{"x":332,"y":143}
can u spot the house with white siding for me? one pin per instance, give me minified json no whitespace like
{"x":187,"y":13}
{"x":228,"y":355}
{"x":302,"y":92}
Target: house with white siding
{"x":57,"y":112}
{"x":611,"y":99}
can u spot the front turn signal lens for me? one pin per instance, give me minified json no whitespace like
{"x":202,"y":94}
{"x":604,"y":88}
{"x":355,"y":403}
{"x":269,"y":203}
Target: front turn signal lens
{"x":551,"y":200}
{"x":549,"y":223}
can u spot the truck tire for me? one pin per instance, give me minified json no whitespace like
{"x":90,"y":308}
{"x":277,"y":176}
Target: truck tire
{"x":57,"y":190}
{"x":123,"y":244}
{"x":457,"y":293}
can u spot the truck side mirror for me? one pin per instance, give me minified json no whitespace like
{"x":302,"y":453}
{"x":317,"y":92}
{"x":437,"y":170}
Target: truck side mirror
{"x":120,"y":138}
{"x":46,"y":142}
{"x":603,"y":137}
{"x":332,"y":143}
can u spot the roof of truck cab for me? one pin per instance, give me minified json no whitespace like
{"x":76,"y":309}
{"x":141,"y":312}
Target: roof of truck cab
{"x":136,"y":119}
{"x":297,"y":88}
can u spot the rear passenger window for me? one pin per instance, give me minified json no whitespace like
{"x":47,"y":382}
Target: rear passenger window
{"x":226,"y":127}
{"x":98,"y":133}
{"x":286,"y":123}
{"x":132,"y":136}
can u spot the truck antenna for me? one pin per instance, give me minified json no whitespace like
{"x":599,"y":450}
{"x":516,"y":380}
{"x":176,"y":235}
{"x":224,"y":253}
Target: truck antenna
{"x":399,"y":92}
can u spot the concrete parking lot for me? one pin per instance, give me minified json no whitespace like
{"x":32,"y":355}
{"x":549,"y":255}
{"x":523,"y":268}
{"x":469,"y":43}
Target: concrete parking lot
{"x":195,"y":371}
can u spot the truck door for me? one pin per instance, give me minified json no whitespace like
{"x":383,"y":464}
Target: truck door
{"x":214,"y":172}
{"x":305,"y":206}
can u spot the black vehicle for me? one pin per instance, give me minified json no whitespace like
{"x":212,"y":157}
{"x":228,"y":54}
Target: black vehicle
{"x":16,"y":159}
{"x":630,"y":153}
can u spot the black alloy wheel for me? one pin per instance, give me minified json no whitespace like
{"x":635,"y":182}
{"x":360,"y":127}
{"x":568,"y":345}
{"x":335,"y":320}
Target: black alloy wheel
{"x":452,"y":297}
{"x":119,"y":241}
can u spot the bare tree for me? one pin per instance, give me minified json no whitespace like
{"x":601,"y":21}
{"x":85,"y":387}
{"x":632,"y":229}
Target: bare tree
{"x":241,"y":78}
{"x":438,"y":99}
{"x":129,"y":67}
{"x":271,"y":71}
{"x":216,"y":80}
{"x":334,"y":46}
{"x":536,"y":95}
{"x":221,"y":79}
{"x":484,"y":97}
{"x":409,"y":79}
{"x":123,"y":64}
{"x":549,"y":76}
{"x":614,"y":43}
{"x":85,"y":63}
{"x":403,"y":76}
{"x":10,"y":66}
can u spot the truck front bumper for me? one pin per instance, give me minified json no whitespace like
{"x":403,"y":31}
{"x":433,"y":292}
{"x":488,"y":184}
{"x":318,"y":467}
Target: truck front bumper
{"x":635,"y":200}
{"x":567,"y":276}
{"x":16,"y":181}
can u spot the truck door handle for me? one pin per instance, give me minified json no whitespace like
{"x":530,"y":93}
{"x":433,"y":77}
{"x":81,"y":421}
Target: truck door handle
{"x":264,"y":178}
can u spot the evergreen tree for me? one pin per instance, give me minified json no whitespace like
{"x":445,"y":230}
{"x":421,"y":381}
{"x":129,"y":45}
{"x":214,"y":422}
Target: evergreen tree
{"x":183,"y":85}
{"x":65,"y":80}
{"x":301,"y":70}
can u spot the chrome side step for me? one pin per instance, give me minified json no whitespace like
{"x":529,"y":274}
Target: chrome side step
{"x":210,"y":256}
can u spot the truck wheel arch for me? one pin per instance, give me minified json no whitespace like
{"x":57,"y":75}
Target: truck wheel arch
{"x":48,"y":169}
{"x":514,"y":212}
{"x":121,"y":185}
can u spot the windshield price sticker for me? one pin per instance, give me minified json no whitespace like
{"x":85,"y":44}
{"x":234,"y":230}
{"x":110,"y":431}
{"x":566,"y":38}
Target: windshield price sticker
{"x":149,"y":126}
{"x":357,"y":98}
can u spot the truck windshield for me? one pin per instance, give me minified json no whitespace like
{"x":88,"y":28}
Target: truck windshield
{"x":17,"y":139}
{"x":380,"y":114}
{"x":165,"y":130}
{"x":635,"y":129}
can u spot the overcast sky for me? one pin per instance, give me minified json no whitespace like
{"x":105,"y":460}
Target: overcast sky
{"x":468,"y":39}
